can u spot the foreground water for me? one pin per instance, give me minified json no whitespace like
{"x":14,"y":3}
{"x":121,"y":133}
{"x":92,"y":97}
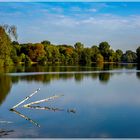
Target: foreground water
{"x":98,"y":101}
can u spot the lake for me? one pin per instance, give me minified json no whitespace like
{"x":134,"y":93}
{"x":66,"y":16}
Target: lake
{"x":99,"y":101}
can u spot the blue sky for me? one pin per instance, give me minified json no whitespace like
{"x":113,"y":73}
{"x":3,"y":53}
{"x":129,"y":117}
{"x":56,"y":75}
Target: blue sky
{"x":69,"y":22}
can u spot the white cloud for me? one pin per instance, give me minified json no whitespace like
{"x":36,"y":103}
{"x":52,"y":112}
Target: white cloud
{"x":58,"y":27}
{"x":120,"y":32}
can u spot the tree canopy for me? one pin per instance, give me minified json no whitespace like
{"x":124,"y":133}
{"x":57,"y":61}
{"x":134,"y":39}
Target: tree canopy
{"x":5,"y":48}
{"x":46,"y":52}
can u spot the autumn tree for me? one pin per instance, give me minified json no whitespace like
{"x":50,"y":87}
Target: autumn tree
{"x":5,"y":48}
{"x":36,"y":51}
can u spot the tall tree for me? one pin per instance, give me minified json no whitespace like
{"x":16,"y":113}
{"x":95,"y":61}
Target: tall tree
{"x":94,"y":52}
{"x":85,"y":56}
{"x":138,"y":54}
{"x":104,"y":48}
{"x":118,"y":55}
{"x":129,"y":56}
{"x":36,"y":51}
{"x":78,"y":45}
{"x":5,"y":48}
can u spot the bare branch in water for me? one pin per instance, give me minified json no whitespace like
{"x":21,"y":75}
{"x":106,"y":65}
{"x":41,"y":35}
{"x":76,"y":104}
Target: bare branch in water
{"x":25,"y":117}
{"x":44,"y":108}
{"x":28,"y":97}
{"x":44,"y":100}
{"x":50,"y":109}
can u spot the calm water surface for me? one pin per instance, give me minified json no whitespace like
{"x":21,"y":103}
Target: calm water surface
{"x":98,"y":101}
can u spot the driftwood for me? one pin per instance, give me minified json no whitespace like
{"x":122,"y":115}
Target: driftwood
{"x":30,"y":106}
{"x":44,"y":100}
{"x":51,"y":109}
{"x":25,"y":117}
{"x":44,"y":108}
{"x":28,"y":97}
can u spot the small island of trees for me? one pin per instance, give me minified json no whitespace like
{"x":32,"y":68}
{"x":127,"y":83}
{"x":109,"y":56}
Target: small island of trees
{"x":12,"y":52}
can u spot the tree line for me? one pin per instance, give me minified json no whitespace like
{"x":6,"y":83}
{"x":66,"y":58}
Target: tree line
{"x":12,"y":52}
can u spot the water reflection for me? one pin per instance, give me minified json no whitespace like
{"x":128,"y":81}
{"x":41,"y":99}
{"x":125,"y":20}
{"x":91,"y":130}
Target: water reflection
{"x":5,"y":86}
{"x":103,"y":77}
{"x":25,"y":117}
{"x":102,"y":96}
{"x":4,"y":132}
{"x":6,"y":81}
{"x":138,"y":73}
{"x":40,"y":108}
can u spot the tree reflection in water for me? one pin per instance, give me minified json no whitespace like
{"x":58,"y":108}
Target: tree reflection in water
{"x":47,"y":78}
{"x":6,"y":80}
{"x":138,"y":73}
{"x":5,"y":86}
{"x":5,"y":132}
{"x":39,"y":108}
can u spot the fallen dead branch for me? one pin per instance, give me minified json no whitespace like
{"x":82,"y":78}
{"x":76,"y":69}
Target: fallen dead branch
{"x":28,"y":97}
{"x":51,"y":109}
{"x":44,"y":108}
{"x":44,"y":100}
{"x":25,"y":117}
{"x":30,"y":106}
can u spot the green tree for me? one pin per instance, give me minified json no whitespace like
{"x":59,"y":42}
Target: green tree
{"x":104,"y":48}
{"x":5,"y":48}
{"x":24,"y":48}
{"x":138,"y":54}
{"x":27,"y":60}
{"x":79,"y":50}
{"x":94,"y":52}
{"x":85,"y":56}
{"x":22,"y":57}
{"x":111,"y":55}
{"x":46,"y":42}
{"x":99,"y":58}
{"x":118,"y":55}
{"x":78,"y":45}
{"x":52,"y":53}
{"x":129,"y":57}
